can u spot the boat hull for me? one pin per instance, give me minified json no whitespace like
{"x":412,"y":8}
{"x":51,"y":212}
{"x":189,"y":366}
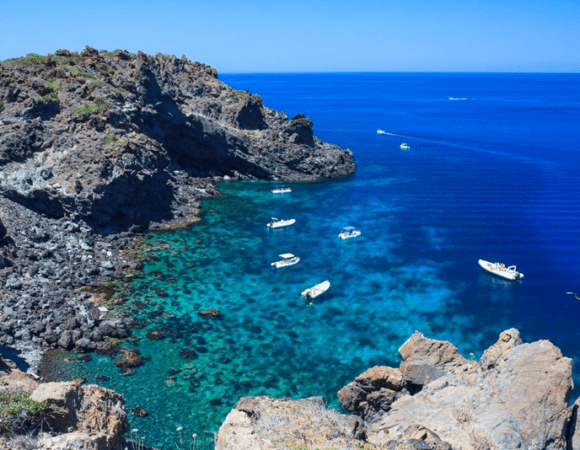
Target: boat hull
{"x":285,"y":263}
{"x":509,"y":273}
{"x":317,"y":290}
{"x":281,"y":223}
{"x":347,"y":235}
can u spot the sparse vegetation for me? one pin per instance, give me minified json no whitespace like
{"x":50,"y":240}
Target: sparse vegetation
{"x":75,"y":71}
{"x":89,"y":108}
{"x":56,"y":84}
{"x":110,"y":140}
{"x":16,"y":409}
{"x":47,"y":97}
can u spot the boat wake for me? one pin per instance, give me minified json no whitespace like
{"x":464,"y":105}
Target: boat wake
{"x":476,"y":146}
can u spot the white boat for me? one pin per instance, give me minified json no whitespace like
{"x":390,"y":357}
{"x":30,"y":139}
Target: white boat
{"x":277,"y":223}
{"x":349,"y":232}
{"x":379,"y":131}
{"x":315,"y":291}
{"x":501,"y":270}
{"x":281,"y":189}
{"x":404,"y":146}
{"x":288,"y":259}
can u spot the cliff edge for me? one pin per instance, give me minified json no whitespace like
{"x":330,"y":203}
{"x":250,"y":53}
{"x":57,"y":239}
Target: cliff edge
{"x":122,"y":140}
{"x":515,"y":397}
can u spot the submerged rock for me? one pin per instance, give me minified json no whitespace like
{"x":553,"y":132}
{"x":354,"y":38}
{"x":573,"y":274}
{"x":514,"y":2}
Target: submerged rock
{"x":130,"y":358}
{"x":211,"y":313}
{"x":187,"y":353}
{"x":140,"y":412}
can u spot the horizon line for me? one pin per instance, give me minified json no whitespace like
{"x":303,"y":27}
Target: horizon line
{"x":346,"y":72}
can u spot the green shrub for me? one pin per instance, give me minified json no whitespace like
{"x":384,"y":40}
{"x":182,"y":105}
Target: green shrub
{"x":33,"y":58}
{"x":57,"y":84}
{"x":110,"y":140}
{"x":12,"y":404}
{"x":88,"y":108}
{"x":75,"y":71}
{"x":52,"y":95}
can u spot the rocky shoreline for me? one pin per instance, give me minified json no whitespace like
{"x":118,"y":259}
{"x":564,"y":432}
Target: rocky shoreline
{"x":515,"y":397}
{"x":98,"y":146}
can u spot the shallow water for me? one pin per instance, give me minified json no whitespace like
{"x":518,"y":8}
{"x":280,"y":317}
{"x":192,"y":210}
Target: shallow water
{"x":492,"y":177}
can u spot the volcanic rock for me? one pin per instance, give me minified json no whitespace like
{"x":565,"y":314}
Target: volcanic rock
{"x":97,"y":145}
{"x":119,"y":139}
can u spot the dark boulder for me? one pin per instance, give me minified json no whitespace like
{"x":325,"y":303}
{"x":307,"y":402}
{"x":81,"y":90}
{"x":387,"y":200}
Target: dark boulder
{"x":84,"y":345}
{"x":65,"y":340}
{"x":114,"y":328}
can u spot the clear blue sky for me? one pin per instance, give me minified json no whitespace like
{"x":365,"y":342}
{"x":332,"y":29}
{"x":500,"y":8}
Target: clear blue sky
{"x":309,"y":35}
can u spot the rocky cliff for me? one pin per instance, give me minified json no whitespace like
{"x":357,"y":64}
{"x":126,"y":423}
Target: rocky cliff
{"x":122,"y":140}
{"x":515,"y":397}
{"x":97,"y":145}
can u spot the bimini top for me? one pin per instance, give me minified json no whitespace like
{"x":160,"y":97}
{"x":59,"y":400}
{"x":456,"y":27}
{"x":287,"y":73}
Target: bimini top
{"x":348,"y":228}
{"x":286,"y":255}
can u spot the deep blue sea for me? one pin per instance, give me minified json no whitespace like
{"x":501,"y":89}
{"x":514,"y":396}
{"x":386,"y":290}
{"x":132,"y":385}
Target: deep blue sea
{"x":493,"y":172}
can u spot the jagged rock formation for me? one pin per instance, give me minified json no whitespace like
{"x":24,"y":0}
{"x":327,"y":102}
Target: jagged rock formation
{"x":516,"y":396}
{"x":121,"y":140}
{"x":97,"y":145}
{"x":74,"y":417}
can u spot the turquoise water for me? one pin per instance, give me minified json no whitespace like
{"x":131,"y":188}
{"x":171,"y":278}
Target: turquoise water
{"x":426,"y":215}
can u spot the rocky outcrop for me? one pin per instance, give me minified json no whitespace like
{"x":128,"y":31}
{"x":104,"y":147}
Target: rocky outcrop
{"x":425,"y":360}
{"x":68,"y":415}
{"x":122,"y":140}
{"x":98,"y":145}
{"x":266,"y":423}
{"x":516,"y":396}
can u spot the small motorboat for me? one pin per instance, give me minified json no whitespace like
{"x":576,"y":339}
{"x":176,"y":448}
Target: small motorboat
{"x":379,"y":131}
{"x":277,"y":223}
{"x":288,"y":259}
{"x":405,"y":146}
{"x":349,"y":232}
{"x":501,"y":270}
{"x":315,"y":291}
{"x":281,"y":189}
